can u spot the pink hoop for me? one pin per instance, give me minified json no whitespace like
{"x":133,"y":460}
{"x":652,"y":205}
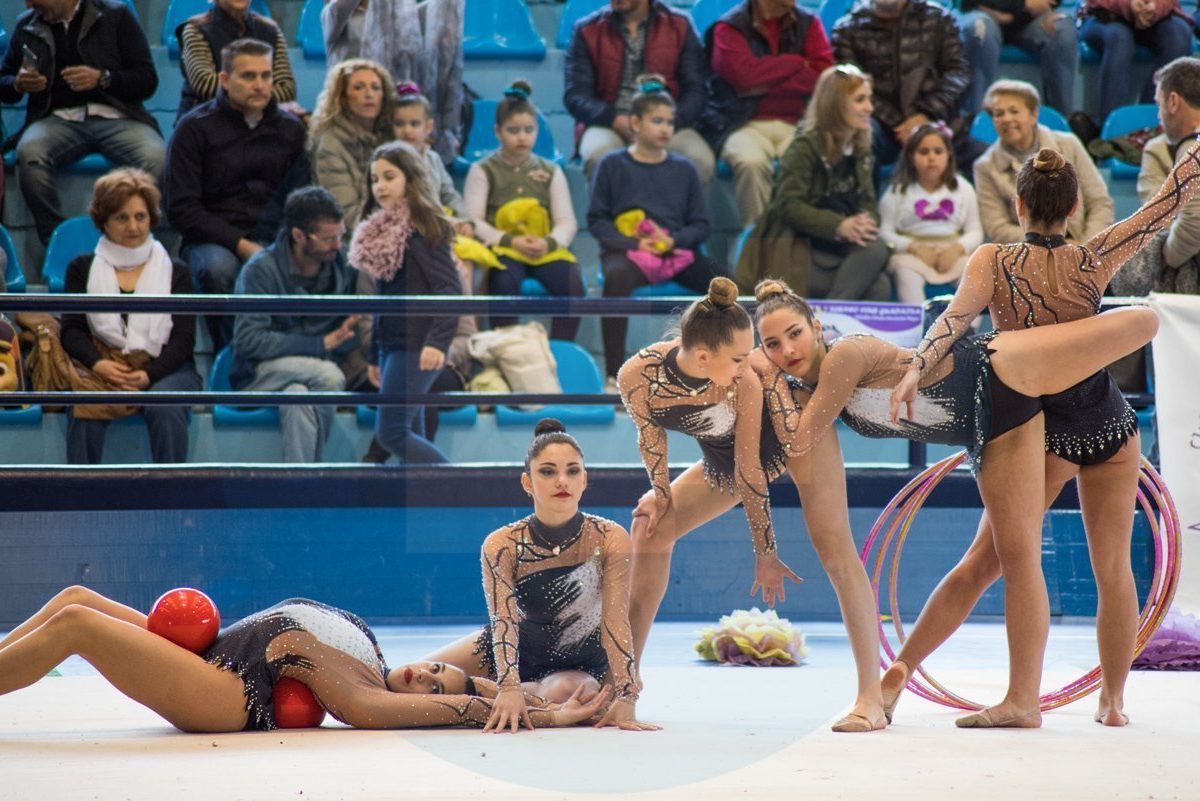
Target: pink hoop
{"x":896,"y":520}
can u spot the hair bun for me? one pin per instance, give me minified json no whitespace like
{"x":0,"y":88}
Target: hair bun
{"x":549,"y":425}
{"x":520,"y":89}
{"x":722,"y":292}
{"x":769,"y":288}
{"x":1048,"y":160}
{"x":406,"y":88}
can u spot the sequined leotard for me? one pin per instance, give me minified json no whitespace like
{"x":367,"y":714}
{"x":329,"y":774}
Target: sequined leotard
{"x":1049,"y":281}
{"x":324,"y":647}
{"x":558,"y":599}
{"x":739,"y":449}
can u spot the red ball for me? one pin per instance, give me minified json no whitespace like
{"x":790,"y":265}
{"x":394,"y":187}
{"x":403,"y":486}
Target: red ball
{"x":295,"y":705}
{"x":186,"y":617}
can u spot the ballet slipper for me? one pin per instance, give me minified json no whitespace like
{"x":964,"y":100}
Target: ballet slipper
{"x":1112,"y":717}
{"x":856,"y":723}
{"x":890,"y":698}
{"x":983,"y":720}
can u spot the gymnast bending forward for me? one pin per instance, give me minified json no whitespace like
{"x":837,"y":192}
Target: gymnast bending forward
{"x":984,"y":396}
{"x":228,"y":687}
{"x":557,"y":589}
{"x":1091,"y":433}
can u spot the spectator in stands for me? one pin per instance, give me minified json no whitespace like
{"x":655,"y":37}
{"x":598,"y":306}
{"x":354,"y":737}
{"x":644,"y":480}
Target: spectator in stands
{"x":1114,"y":29}
{"x":914,"y":54}
{"x":1014,"y":109}
{"x":230,"y":163}
{"x":648,"y":214}
{"x":404,"y":244}
{"x":1171,"y":263}
{"x":343,"y":22}
{"x":820,"y":232}
{"x":765,"y":56}
{"x":521,"y":208}
{"x":204,"y":36}
{"x":609,"y":50}
{"x":1035,"y":26}
{"x":352,"y":118}
{"x":289,"y":352}
{"x":137,"y":351}
{"x":86,"y":68}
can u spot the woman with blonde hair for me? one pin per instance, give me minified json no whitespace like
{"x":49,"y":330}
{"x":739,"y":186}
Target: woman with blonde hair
{"x":352,"y":118}
{"x":820,"y":232}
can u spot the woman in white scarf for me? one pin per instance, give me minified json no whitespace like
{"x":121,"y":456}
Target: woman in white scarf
{"x":131,"y":352}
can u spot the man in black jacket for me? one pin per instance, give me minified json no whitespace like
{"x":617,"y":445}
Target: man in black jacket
{"x":230,"y":163}
{"x":86,"y":68}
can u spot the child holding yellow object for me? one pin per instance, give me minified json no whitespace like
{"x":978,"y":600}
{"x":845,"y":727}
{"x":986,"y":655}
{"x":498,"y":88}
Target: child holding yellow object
{"x":521,"y":208}
{"x":648,"y":213}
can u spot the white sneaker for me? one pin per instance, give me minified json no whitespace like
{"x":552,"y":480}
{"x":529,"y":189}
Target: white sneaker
{"x":611,"y":387}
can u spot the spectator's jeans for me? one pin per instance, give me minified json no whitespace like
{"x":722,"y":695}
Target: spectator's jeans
{"x":168,"y":425}
{"x":1116,"y":43}
{"x":598,"y":141}
{"x":52,"y":142}
{"x":214,"y":272}
{"x":561,"y":278}
{"x":305,"y":428}
{"x":401,"y":429}
{"x":1057,"y":49}
{"x":752,"y":151}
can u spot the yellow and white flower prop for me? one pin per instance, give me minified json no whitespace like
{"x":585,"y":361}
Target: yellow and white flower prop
{"x":762,"y":639}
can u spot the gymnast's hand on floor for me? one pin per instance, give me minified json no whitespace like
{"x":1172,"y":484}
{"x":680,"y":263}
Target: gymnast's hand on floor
{"x":769,"y":573}
{"x":905,"y":393}
{"x":574,"y":711}
{"x":509,"y":710}
{"x":650,"y":509}
{"x":623,"y":715}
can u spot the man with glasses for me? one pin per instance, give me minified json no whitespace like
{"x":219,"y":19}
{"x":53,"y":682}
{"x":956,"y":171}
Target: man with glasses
{"x":290,"y":352}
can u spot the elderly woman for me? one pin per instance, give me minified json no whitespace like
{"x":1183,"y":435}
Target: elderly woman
{"x":137,"y":351}
{"x":202,"y":37}
{"x":353,"y":117}
{"x":1014,"y":109}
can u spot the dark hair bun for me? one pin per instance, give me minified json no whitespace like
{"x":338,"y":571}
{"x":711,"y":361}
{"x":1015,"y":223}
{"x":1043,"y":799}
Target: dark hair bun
{"x":769,"y":288}
{"x":405,"y":88}
{"x":1048,"y":160}
{"x":722,"y":292}
{"x":549,"y":425}
{"x":520,"y":88}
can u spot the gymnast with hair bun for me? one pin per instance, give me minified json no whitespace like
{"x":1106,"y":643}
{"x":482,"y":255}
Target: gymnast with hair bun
{"x":228,"y":687}
{"x":557,"y":590}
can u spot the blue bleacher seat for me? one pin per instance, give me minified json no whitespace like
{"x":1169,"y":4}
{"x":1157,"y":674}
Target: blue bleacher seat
{"x":830,"y":11}
{"x":572,"y":12}
{"x":481,"y":139}
{"x":578,"y":374}
{"x":739,"y":245}
{"x":667,"y":289}
{"x":309,"y":35}
{"x":500,"y":29}
{"x":20,"y":416}
{"x":179,"y":11}
{"x":14,"y":276}
{"x":3,"y":38}
{"x":218,"y":381}
{"x":532,"y":288}
{"x":73,"y":237}
{"x":464,"y":416}
{"x":983,"y":129}
{"x":706,"y":12}
{"x":88,"y":164}
{"x":1123,"y":120}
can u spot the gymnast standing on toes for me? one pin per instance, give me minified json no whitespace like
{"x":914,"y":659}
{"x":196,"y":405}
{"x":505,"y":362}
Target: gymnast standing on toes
{"x":983,"y":395}
{"x":697,"y":384}
{"x":228,"y":687}
{"x":1091,"y":434}
{"x":557,"y":590}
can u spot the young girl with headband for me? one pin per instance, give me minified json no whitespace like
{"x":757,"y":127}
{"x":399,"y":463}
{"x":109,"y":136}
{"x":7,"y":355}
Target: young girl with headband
{"x":648,"y":213}
{"x":521,"y":207}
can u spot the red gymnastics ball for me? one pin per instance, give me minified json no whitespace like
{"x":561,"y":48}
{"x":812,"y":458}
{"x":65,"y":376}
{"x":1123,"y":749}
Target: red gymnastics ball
{"x":295,"y":705}
{"x":186,"y":617}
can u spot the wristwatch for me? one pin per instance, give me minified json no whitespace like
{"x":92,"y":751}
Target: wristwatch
{"x":105,"y":79}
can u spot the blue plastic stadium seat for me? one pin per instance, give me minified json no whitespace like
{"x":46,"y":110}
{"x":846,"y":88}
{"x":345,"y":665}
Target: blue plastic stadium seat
{"x":309,"y":35}
{"x":14,"y":276}
{"x":983,"y":129}
{"x":532,"y":288}
{"x":218,"y":381}
{"x":4,"y":36}
{"x":578,"y":374}
{"x":464,"y":416}
{"x":481,"y":139}
{"x":180,"y":11}
{"x":706,"y":12}
{"x":501,"y":29}
{"x":88,"y":164}
{"x":739,"y":245}
{"x":667,"y":289}
{"x":830,"y":11}
{"x":1123,"y":120}
{"x":572,"y":12}
{"x":20,"y":416}
{"x":73,"y":237}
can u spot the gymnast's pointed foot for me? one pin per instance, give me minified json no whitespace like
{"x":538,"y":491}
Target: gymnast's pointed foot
{"x":894,"y":680}
{"x":1002,"y":716}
